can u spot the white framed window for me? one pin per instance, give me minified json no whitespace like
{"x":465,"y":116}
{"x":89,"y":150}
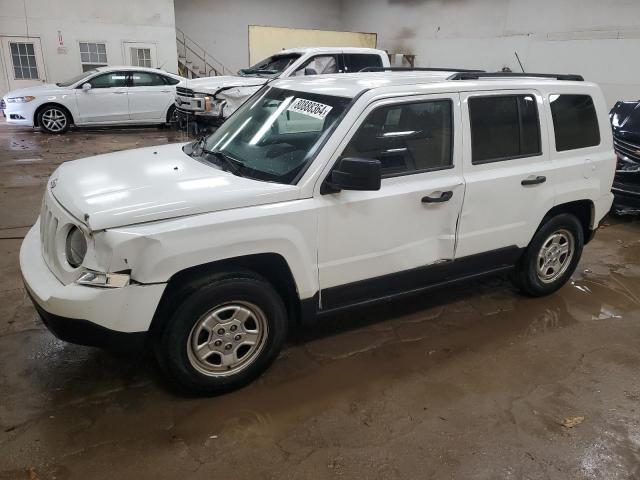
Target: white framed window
{"x":141,"y":57}
{"x":23,"y":57}
{"x":93,"y":55}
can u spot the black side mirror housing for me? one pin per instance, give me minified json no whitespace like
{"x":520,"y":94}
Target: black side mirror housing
{"x":310,"y":71}
{"x":356,"y":174}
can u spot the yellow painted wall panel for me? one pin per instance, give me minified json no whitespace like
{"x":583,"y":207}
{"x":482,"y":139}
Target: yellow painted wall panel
{"x":265,"y":41}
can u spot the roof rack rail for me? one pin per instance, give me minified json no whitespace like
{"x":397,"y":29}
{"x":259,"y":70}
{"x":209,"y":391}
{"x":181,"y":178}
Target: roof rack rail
{"x":570,"y":77}
{"x":418,"y":69}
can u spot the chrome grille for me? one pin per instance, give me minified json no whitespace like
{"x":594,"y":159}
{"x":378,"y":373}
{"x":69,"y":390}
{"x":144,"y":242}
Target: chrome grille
{"x":185,"y":92}
{"x":48,"y":229}
{"x":55,"y":223}
{"x":628,"y":149}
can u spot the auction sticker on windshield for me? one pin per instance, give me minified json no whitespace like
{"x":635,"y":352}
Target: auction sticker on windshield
{"x":310,"y":108}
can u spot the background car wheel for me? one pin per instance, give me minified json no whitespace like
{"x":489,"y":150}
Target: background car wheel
{"x":54,"y":119}
{"x":552,"y":256}
{"x":172,"y":117}
{"x":224,"y":334}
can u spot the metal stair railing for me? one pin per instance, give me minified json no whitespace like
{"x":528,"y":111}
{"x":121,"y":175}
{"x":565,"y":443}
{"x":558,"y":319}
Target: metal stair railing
{"x":189,"y":52}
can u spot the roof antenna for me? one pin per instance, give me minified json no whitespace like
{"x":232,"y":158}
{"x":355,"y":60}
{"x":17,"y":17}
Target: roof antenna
{"x":518,"y":58}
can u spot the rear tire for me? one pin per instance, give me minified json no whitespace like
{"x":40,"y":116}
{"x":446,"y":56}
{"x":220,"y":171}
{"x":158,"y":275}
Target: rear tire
{"x":551,"y":257}
{"x":172,"y":116}
{"x":54,"y":119}
{"x":224,"y":334}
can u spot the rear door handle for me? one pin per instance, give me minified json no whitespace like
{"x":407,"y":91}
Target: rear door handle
{"x":119,"y":93}
{"x":534,"y":180}
{"x":445,"y":196}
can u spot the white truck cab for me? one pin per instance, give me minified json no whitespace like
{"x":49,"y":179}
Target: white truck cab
{"x":317,"y":195}
{"x":210,"y":100}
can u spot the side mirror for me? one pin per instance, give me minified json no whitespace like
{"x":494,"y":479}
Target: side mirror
{"x":310,"y":71}
{"x":356,"y":174}
{"x":86,"y":87}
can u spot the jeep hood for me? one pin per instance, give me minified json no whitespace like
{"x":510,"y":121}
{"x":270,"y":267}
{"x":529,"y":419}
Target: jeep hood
{"x":155,"y":183}
{"x":213,"y":84}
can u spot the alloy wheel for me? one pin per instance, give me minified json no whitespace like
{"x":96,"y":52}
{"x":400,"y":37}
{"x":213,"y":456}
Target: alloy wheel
{"x":555,"y":256}
{"x":227,"y":339}
{"x":54,"y":120}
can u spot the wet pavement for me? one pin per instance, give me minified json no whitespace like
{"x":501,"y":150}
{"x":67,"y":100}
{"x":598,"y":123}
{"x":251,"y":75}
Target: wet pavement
{"x":471,"y":381}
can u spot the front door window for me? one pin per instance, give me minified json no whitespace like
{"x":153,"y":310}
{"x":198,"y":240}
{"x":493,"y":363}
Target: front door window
{"x":407,"y":138}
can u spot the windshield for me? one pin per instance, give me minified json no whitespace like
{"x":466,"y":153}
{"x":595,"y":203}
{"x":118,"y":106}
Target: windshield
{"x":271,"y":66}
{"x":273,"y":136}
{"x":77,"y":78}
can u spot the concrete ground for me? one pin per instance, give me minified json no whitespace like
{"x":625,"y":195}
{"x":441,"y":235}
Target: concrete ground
{"x":472,"y":381}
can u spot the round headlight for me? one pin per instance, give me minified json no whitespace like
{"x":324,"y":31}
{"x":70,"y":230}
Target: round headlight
{"x":76,"y":247}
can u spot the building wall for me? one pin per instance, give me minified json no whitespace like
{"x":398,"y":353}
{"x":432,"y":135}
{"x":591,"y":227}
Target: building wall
{"x":599,"y":39}
{"x":112,"y":21}
{"x":221,"y":26}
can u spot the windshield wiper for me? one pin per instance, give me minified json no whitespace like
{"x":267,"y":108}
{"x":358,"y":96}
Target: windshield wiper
{"x":232,"y":165}
{"x":197,"y":145}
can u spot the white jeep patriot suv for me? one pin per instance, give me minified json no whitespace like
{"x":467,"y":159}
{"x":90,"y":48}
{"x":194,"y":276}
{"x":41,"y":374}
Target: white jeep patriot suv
{"x":209,"y":101}
{"x":317,"y":195}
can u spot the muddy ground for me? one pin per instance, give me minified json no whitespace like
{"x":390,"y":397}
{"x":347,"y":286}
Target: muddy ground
{"x":471,"y":381}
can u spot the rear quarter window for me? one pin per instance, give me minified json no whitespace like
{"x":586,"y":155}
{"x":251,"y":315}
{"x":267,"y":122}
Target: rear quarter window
{"x":354,"y":62}
{"x":170,"y":80}
{"x":575,"y":122}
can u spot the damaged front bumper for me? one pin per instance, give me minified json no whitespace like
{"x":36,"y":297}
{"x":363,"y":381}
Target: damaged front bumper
{"x":186,"y":118}
{"x":85,"y":313}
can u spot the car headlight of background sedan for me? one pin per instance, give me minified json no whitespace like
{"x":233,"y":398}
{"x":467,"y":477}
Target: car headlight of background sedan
{"x":25,"y":99}
{"x":75,"y":247}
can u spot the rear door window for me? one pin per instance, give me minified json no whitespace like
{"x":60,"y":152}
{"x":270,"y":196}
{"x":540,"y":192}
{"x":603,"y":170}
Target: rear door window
{"x":575,"y":122}
{"x":504,"y":128}
{"x":146,"y":79}
{"x":354,"y":62}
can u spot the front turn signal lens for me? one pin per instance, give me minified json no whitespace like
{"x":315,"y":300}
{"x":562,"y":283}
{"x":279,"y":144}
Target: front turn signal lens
{"x":92,"y":278}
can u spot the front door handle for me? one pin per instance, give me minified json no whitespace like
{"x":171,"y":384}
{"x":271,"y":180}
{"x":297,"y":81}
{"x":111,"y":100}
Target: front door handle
{"x":119,"y":93}
{"x":445,"y":196}
{"x":534,"y":180}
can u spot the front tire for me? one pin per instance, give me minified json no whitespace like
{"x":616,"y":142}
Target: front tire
{"x":224,"y":334}
{"x":551,"y":257}
{"x":54,"y":119}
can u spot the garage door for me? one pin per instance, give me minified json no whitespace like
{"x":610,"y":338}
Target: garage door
{"x":265,"y":41}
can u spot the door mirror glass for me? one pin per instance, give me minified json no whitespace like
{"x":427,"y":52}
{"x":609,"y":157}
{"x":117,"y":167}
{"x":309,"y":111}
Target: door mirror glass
{"x":86,"y":87}
{"x":356,"y":174}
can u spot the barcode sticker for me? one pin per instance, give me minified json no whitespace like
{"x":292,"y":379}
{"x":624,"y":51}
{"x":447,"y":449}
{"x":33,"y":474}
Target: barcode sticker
{"x":310,"y":108}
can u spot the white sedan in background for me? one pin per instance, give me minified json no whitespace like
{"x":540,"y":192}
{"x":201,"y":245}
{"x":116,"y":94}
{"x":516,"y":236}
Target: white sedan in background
{"x":102,"y":96}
